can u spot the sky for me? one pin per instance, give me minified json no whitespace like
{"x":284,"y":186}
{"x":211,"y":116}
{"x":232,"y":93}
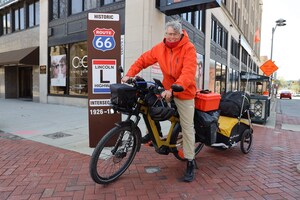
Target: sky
{"x":286,"y":42}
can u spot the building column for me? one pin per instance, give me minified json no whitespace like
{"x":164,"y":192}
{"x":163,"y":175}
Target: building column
{"x":43,"y":78}
{"x":144,"y":27}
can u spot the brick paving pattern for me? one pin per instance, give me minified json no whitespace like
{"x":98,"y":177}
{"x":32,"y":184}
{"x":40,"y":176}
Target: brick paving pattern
{"x":32,"y":170}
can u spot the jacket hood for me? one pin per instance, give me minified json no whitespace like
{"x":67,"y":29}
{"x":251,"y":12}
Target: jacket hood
{"x":184,"y":39}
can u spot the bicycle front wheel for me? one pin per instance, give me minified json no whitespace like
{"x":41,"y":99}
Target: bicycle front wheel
{"x":113,"y":154}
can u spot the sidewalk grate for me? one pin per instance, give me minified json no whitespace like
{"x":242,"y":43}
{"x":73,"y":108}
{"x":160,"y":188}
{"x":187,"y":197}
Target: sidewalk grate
{"x":57,"y":135}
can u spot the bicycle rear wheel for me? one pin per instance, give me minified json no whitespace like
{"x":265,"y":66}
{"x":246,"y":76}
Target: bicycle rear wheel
{"x":113,"y":154}
{"x":177,"y":139}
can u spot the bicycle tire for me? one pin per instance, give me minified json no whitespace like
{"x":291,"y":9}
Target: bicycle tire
{"x":106,"y":166}
{"x":177,"y":139}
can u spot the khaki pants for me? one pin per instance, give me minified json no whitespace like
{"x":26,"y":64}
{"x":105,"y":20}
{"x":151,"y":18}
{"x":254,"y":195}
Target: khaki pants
{"x":186,"y":109}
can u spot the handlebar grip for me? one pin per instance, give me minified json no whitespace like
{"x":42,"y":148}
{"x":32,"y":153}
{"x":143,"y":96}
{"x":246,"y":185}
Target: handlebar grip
{"x":177,"y":88}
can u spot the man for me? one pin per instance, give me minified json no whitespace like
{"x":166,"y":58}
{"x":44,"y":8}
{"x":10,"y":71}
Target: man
{"x":176,"y":56}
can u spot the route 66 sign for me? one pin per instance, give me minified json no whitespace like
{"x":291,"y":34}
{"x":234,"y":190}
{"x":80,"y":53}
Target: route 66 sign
{"x":104,"y":39}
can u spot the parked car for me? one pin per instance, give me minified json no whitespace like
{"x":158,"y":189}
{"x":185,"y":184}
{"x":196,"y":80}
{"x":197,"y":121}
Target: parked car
{"x":286,"y":94}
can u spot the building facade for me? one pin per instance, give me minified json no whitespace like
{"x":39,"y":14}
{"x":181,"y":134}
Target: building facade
{"x":43,"y":44}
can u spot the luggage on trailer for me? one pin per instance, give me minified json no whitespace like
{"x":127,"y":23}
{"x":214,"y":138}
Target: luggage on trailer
{"x":232,"y":102}
{"x":206,"y":126}
{"x":230,"y":129}
{"x":206,"y":100}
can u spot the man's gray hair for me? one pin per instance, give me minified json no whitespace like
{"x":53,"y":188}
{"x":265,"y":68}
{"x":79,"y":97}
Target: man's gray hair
{"x":175,"y":24}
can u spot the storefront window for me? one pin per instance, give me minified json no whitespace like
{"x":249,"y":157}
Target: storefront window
{"x":218,"y":77}
{"x":78,"y":69}
{"x":212,"y":75}
{"x":223,"y":79}
{"x":58,"y":69}
{"x":199,"y":74}
{"x":230,"y":82}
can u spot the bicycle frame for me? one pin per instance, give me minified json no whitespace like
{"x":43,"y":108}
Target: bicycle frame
{"x":151,"y":126}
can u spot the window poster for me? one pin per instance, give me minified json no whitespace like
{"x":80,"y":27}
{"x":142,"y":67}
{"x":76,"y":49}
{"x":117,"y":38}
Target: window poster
{"x":59,"y":69}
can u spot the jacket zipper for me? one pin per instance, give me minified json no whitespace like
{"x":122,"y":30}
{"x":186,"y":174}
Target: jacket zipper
{"x":171,"y":61}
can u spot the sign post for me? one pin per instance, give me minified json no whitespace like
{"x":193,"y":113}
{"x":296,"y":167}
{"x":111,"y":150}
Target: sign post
{"x":104,"y":57}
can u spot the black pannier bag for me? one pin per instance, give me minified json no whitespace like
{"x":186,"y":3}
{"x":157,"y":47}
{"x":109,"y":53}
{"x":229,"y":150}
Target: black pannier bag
{"x":231,"y":104}
{"x":123,"y":96}
{"x":206,"y":126}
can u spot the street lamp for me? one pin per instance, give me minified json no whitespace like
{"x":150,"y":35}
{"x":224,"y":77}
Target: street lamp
{"x":279,"y":22}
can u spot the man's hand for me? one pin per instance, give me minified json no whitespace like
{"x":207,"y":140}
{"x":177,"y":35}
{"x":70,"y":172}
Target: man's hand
{"x":125,"y":79}
{"x":167,"y":94}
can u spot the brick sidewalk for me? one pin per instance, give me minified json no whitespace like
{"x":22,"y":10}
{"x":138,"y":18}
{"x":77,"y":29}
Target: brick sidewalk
{"x":32,"y":170}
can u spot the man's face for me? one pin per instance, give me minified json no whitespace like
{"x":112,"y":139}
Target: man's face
{"x":171,"y":35}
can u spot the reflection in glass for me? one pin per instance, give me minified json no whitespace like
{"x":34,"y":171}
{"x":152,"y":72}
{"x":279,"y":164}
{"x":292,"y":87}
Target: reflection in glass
{"x":22,"y":19}
{"x":62,"y":8}
{"x":200,"y":71}
{"x":31,"y":15}
{"x":76,"y":6}
{"x":78,"y":69}
{"x":212,"y":75}
{"x":17,"y":17}
{"x":90,"y":4}
{"x":37,"y":13}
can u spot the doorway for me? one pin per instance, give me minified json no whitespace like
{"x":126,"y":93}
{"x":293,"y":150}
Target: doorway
{"x":25,"y":82}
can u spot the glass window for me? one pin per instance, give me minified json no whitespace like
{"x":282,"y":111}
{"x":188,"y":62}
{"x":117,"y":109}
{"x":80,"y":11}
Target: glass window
{"x":62,"y":8}
{"x":8,"y":24}
{"x":17,"y":20}
{"x":218,"y":77}
{"x":4,"y":24}
{"x":58,"y":69}
{"x":37,"y":13}
{"x":200,"y":71}
{"x":59,"y":8}
{"x":197,"y":17}
{"x":223,"y":79}
{"x":55,"y":10}
{"x":77,"y":6}
{"x":212,"y":75}
{"x":107,"y":2}
{"x":90,"y":4}
{"x":31,"y":15}
{"x":22,"y":19}
{"x":78,"y":69}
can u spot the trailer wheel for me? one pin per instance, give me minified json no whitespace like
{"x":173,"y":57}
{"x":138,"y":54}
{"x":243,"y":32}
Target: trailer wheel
{"x":246,"y":141}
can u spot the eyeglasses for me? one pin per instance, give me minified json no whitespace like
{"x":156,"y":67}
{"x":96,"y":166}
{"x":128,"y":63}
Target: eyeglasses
{"x":172,"y":34}
{"x":60,"y":65}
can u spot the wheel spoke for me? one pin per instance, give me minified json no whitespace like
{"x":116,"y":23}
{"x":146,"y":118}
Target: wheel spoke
{"x":113,"y":155}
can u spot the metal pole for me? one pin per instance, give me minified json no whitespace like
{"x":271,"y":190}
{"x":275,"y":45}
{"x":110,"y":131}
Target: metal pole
{"x":271,"y":56}
{"x":273,"y":30}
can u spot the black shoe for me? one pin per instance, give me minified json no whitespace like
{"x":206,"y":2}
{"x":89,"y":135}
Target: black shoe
{"x":145,"y":139}
{"x":189,"y":174}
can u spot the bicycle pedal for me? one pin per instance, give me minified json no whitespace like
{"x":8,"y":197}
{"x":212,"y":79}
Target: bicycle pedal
{"x":149,"y":144}
{"x":164,"y":150}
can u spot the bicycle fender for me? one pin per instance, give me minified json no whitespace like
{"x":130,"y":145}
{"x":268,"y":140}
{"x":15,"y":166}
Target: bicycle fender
{"x":137,"y":131}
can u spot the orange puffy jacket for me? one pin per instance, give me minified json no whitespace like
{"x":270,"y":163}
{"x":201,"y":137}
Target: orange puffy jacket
{"x":178,"y":65}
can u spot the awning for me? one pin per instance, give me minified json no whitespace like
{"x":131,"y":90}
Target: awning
{"x":173,"y":7}
{"x":28,"y":56}
{"x":253,"y":77}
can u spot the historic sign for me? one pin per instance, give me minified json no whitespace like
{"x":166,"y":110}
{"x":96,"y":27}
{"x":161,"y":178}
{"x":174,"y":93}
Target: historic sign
{"x":104,"y":55}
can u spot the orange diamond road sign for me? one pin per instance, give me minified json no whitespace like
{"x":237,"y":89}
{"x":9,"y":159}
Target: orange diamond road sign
{"x":268,"y":67}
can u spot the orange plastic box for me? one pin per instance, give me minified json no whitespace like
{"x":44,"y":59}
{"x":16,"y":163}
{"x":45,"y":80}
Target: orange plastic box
{"x":207,"y":102}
